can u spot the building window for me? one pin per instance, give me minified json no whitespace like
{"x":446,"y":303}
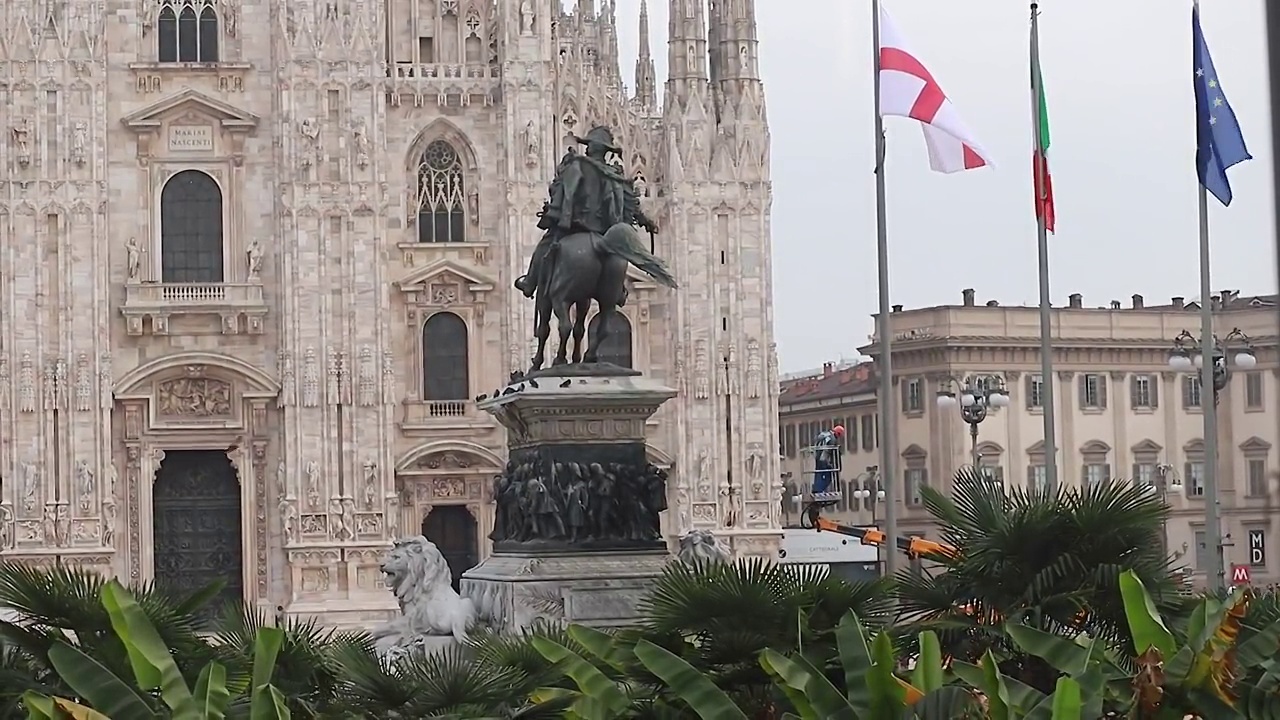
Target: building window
{"x":913,"y":396}
{"x":1202,"y":551}
{"x":868,"y":433}
{"x":191,"y":229}
{"x":915,"y":478}
{"x":1094,"y":468}
{"x":1093,"y":391}
{"x":1037,"y":475}
{"x":1256,"y":470}
{"x":1190,"y":391}
{"x":1195,"y":478}
{"x":187,"y":32}
{"x":1144,"y":392}
{"x":1035,"y":391}
{"x":789,"y":441}
{"x":1144,"y":473}
{"x":1253,"y":391}
{"x":445,"y":363}
{"x":616,"y":347}
{"x":915,"y":474}
{"x":441,"y":195}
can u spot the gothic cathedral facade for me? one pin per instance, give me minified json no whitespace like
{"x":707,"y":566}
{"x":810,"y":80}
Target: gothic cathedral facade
{"x":256,"y":262}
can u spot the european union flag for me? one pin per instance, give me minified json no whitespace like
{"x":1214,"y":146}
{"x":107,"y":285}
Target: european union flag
{"x":1219,"y":142}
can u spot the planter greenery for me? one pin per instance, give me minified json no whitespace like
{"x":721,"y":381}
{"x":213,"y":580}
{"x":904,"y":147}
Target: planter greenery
{"x":1055,"y":607}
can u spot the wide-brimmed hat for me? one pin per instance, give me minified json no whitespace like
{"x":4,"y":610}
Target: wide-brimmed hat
{"x":599,"y":135}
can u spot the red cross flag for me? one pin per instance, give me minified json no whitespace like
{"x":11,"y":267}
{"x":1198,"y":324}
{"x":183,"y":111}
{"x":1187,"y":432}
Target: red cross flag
{"x":907,"y":89}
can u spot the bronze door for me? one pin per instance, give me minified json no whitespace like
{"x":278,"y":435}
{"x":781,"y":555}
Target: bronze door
{"x":453,"y":530}
{"x":196,"y":516}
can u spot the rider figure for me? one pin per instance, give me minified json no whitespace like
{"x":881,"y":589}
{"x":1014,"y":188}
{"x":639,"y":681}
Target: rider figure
{"x":587,"y":195}
{"x":826,"y":464}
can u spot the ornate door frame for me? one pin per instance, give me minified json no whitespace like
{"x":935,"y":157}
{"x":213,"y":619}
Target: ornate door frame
{"x":236,"y":420}
{"x":448,"y":472}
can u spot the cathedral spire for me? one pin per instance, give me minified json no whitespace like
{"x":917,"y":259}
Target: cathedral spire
{"x":646,"y":74}
{"x":735,"y":52}
{"x":686,"y":46}
{"x":586,"y":9}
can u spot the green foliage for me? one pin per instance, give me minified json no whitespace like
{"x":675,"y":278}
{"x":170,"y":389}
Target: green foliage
{"x":1054,"y":607}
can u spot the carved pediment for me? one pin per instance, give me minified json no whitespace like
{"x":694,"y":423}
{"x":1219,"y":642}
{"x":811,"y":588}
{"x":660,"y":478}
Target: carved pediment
{"x":1147,"y":446}
{"x":1036,"y":448}
{"x":444,"y":282}
{"x":990,"y":449}
{"x":191,"y":105}
{"x":1095,"y":447}
{"x":1255,"y":444}
{"x":914,"y":452}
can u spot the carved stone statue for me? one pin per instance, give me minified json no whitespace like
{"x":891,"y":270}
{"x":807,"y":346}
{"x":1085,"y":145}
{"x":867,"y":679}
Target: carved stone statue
{"x":22,"y":131}
{"x":429,"y":606}
{"x":133,"y":255}
{"x":79,"y":143}
{"x":532,"y":144}
{"x":543,"y":504}
{"x":526,"y":17}
{"x":253,"y":260}
{"x":49,"y":523}
{"x":86,"y":484}
{"x":360,"y":141}
{"x":370,"y":484}
{"x":701,"y":546}
{"x":309,"y":128}
{"x":288,"y":519}
{"x":108,"y":523}
{"x":30,"y":486}
{"x":590,"y":238}
{"x":193,"y":396}
{"x":6,"y":527}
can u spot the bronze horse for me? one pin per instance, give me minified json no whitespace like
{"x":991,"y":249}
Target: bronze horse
{"x":582,"y":267}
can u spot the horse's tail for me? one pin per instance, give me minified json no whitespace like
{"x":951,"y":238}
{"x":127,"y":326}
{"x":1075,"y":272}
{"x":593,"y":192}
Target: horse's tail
{"x":621,"y":240}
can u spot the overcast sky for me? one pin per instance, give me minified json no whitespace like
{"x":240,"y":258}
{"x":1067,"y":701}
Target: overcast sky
{"x":1118,"y":78}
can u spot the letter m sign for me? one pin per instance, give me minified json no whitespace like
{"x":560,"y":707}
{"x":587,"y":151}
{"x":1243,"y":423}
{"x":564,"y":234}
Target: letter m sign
{"x":1239,"y":574}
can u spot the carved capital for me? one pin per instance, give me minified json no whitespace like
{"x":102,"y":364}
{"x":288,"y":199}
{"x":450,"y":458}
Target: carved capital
{"x":1118,"y":375}
{"x":1066,"y":375}
{"x":1013,"y":375}
{"x":1168,"y":376}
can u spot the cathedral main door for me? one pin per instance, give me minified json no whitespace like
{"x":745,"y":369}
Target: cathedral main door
{"x":453,"y":530}
{"x":196,"y":516}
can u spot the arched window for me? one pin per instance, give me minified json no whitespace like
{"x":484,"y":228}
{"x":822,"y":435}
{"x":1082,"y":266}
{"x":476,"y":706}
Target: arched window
{"x":191,"y":229}
{"x":444,"y":359}
{"x":617,"y":346}
{"x":187,"y":31}
{"x":441,"y":198}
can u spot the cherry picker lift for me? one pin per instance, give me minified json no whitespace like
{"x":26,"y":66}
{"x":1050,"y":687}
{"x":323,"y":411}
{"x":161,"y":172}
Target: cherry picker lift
{"x":826,"y":465}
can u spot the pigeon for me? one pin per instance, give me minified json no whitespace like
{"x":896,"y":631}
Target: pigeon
{"x":566,"y":383}
{"x":509,"y":391}
{"x":481,"y":397}
{"x":519,"y":387}
{"x":533,"y":383}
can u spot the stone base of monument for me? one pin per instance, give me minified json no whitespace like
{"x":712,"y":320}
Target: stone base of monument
{"x":576,"y":534}
{"x":600,"y":589}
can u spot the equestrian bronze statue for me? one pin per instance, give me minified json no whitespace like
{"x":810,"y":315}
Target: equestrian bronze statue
{"x":590,"y":237}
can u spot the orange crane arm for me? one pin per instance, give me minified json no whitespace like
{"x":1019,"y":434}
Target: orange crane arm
{"x":914,"y":547}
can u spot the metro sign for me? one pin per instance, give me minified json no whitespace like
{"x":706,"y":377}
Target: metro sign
{"x":1240,"y":574}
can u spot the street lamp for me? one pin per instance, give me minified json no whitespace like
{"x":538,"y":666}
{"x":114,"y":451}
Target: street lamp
{"x":1165,"y":482}
{"x":976,"y":393}
{"x":870,"y":492}
{"x":1187,"y":354}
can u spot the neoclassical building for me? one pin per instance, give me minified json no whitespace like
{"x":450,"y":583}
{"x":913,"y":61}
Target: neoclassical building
{"x":1122,"y":412}
{"x":257,"y":264}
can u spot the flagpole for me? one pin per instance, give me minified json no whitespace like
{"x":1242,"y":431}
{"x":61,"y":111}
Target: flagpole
{"x":1216,"y":575}
{"x":887,"y":408}
{"x":1047,"y":379}
{"x":1209,"y":408}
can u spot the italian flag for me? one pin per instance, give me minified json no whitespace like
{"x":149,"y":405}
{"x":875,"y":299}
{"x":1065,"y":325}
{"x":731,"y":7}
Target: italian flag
{"x":1040,"y":157}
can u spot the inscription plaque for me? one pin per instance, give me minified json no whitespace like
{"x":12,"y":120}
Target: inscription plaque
{"x":190,"y":138}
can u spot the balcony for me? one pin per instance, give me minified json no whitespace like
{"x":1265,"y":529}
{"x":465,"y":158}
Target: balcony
{"x":240,"y":307}
{"x":463,"y":81}
{"x":419,"y":416}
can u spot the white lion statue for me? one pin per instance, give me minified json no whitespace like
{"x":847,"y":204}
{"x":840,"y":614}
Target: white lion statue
{"x":429,"y":606}
{"x":702,"y":545}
